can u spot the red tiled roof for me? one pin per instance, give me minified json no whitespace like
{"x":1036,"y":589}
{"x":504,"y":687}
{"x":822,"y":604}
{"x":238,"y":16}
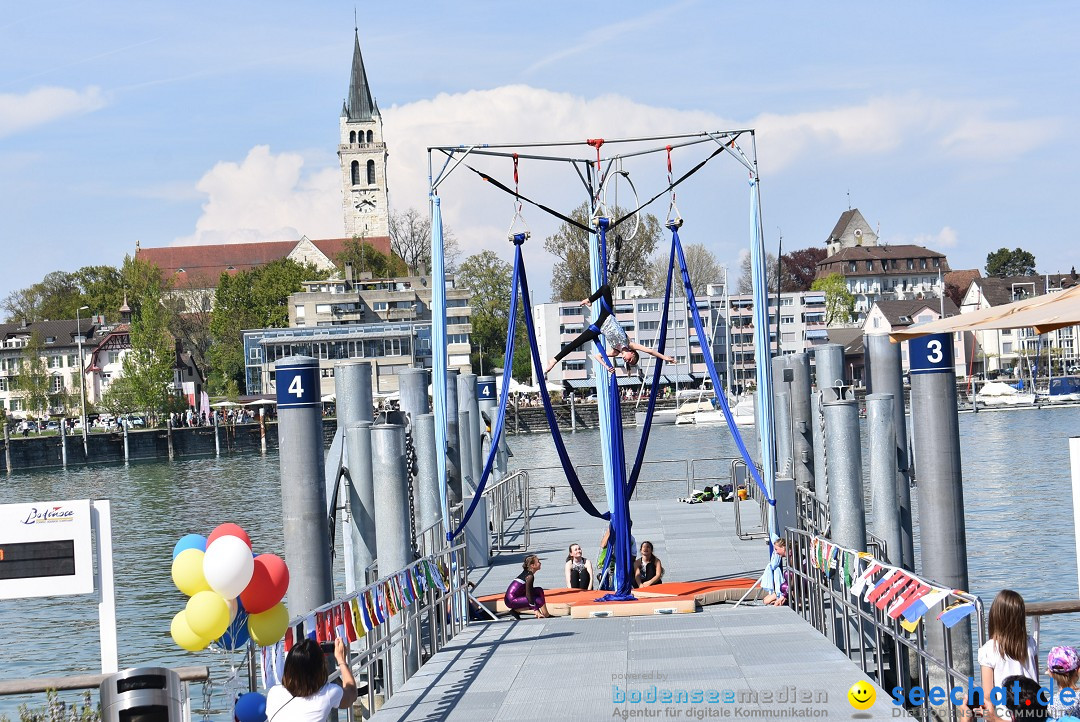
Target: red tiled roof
{"x":201,"y":266}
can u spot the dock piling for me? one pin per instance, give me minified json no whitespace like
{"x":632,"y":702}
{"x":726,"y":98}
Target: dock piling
{"x":881,"y":438}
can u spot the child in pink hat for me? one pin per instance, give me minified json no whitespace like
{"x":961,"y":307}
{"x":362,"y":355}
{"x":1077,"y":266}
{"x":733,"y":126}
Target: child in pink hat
{"x":1063,"y":663}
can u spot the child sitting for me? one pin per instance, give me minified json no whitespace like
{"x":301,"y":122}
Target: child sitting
{"x":1063,"y":664}
{"x":772,"y":579}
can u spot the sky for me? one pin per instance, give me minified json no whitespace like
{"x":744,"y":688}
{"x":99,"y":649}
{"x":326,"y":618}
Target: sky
{"x":946,"y":124}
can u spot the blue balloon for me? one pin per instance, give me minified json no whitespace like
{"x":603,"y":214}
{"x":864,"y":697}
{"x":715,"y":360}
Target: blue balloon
{"x":237,"y":635}
{"x":189,"y":541}
{"x":250,"y":707}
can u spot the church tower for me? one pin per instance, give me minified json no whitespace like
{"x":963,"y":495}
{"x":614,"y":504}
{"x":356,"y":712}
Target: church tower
{"x":363,"y":157}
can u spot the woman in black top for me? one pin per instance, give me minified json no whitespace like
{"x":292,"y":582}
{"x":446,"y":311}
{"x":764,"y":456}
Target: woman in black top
{"x":647,"y":567}
{"x":523,"y":593}
{"x":579,"y":571}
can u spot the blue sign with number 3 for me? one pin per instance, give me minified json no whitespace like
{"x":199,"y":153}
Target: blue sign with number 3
{"x":931,"y":354}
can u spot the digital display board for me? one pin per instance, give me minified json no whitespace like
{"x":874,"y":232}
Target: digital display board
{"x":46,"y":549}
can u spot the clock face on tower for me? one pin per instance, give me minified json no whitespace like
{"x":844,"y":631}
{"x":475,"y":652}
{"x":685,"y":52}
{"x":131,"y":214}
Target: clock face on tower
{"x":364,"y":200}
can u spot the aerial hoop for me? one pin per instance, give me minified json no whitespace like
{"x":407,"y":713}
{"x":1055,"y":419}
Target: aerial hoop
{"x":611,"y":182}
{"x":517,"y":237}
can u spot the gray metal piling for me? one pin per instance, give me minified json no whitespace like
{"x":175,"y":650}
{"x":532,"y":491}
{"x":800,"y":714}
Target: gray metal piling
{"x":467,"y":401}
{"x":847,"y":510}
{"x":829,"y":370}
{"x":453,"y":445}
{"x":801,"y":418}
{"x":352,"y":391}
{"x":943,"y":534}
{"x":412,"y":392}
{"x":217,"y":437}
{"x":393,"y":533}
{"x":352,"y":388}
{"x":63,"y":442}
{"x":426,"y":496}
{"x":885,"y":375}
{"x":303,"y":490}
{"x":361,"y":500}
{"x":477,"y":534}
{"x":881,"y":438}
{"x":782,"y":418}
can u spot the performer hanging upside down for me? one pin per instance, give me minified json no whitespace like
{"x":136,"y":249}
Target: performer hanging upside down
{"x":619,"y":343}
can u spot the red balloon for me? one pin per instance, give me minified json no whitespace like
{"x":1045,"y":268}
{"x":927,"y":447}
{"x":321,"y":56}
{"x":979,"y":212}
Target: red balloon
{"x":228,"y":530}
{"x":268,"y":584}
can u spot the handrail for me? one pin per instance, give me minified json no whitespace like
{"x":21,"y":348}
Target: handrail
{"x":753,"y":493}
{"x":879,"y":644}
{"x":509,"y":498}
{"x":30,"y":685}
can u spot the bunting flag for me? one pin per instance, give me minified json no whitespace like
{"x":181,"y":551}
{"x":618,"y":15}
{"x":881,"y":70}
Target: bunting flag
{"x":406,"y":584}
{"x":884,"y":581}
{"x":923,"y":605}
{"x":310,"y":627}
{"x":388,"y":595}
{"x":414,"y":583}
{"x":339,"y":624}
{"x":354,"y":622}
{"x":846,"y":576}
{"x":953,"y":615}
{"x":399,"y":592}
{"x":916,"y":591}
{"x":322,"y":624}
{"x":288,"y":639}
{"x":444,"y":577}
{"x":367,"y":618}
{"x":427,"y":575}
{"x":378,"y":604}
{"x":273,"y":664}
{"x":830,"y":558}
{"x":909,"y":626}
{"x":888,"y":587}
{"x":860,"y":582}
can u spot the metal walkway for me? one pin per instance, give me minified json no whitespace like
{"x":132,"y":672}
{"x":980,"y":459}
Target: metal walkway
{"x":757,"y":662}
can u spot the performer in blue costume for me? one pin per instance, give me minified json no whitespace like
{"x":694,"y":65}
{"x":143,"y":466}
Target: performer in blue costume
{"x":619,"y":344}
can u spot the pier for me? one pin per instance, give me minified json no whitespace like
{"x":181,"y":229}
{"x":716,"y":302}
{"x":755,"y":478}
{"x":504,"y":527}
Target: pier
{"x":761,"y":662}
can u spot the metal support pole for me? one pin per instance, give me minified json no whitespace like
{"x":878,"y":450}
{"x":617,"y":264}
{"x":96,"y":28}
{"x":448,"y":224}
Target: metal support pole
{"x":217,"y":435}
{"x":1074,"y":461}
{"x":127,"y":454}
{"x":352,"y":392}
{"x":361,"y":499}
{"x":63,"y":442}
{"x":881,"y":435}
{"x":801,"y":418}
{"x":573,"y":416}
{"x":427,"y":482}
{"x":477,"y":535}
{"x":943,"y":534}
{"x":488,"y":406}
{"x":885,"y":375}
{"x":352,"y":389}
{"x":782,"y":418}
{"x":393,"y":533}
{"x":453,"y":445}
{"x":842,"y":444}
{"x":829,"y":366}
{"x":7,"y":447}
{"x":262,"y":429}
{"x":467,"y":401}
{"x":168,"y":436}
{"x":303,"y":490}
{"x":412,"y":392}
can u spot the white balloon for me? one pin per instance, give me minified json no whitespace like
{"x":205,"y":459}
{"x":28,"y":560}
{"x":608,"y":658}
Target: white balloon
{"x":234,"y":608}
{"x":228,"y":566}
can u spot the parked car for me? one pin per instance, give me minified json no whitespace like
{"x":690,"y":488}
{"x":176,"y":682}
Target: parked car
{"x":52,"y":426}
{"x":135,"y":422}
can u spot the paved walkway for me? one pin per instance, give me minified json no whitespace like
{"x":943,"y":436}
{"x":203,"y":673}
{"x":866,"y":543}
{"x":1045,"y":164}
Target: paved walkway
{"x":751,"y":662}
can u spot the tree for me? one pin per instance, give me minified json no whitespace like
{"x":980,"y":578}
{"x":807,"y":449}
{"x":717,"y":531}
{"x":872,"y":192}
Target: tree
{"x":150,"y":362}
{"x":1004,"y":262}
{"x":256,"y":298}
{"x":571,"y":279}
{"x":101,"y":288}
{"x":701,"y":265}
{"x":798,"y":269}
{"x":32,"y":378}
{"x":746,"y":284}
{"x":365,"y":257}
{"x":410,"y":240}
{"x":839,"y":303}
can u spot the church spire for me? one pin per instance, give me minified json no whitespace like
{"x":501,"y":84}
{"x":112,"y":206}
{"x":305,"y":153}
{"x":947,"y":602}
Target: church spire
{"x":360,"y":105}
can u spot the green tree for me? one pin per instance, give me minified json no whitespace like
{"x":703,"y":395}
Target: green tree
{"x":365,"y":257}
{"x":571,"y":279}
{"x":746,"y":284}
{"x":257,"y":298}
{"x":101,"y":288}
{"x":1004,"y":262}
{"x":839,"y":303}
{"x":489,"y":278}
{"x":150,"y":362}
{"x":32,"y":378}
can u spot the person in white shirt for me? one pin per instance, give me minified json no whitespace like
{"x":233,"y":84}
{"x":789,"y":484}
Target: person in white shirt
{"x":304,"y":695}
{"x":1010,"y":651}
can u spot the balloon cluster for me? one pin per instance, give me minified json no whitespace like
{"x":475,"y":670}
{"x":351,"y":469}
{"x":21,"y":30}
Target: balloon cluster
{"x":234,"y":595}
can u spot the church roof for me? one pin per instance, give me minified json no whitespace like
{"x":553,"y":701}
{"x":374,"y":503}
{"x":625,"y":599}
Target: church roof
{"x":202,"y":266}
{"x":842,"y":224}
{"x":360,"y":105}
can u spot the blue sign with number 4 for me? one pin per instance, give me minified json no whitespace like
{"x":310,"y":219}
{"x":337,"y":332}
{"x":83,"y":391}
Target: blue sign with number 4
{"x":298,"y":387}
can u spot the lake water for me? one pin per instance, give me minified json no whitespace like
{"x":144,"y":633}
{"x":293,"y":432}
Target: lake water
{"x":1017,"y":495}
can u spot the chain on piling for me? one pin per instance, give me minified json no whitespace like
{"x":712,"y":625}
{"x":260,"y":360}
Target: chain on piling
{"x":412,"y":469}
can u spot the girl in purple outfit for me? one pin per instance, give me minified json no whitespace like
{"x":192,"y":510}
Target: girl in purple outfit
{"x":522,"y":594}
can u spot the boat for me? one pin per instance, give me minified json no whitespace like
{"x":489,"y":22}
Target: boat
{"x":1063,"y":390}
{"x":703,"y":412}
{"x":998,"y":394}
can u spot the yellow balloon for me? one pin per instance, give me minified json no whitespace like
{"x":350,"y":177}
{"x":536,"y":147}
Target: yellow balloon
{"x":183,"y":636}
{"x":208,"y":615}
{"x":269,"y":627}
{"x":187,"y":573}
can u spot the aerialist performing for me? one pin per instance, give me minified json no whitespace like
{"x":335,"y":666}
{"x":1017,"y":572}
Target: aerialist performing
{"x":620,"y":343}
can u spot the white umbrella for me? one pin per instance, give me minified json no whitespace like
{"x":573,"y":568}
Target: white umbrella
{"x":223,"y":404}
{"x":261,"y":402}
{"x":328,"y":398}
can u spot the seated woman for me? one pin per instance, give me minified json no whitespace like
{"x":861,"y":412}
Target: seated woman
{"x":579,"y":571}
{"x":618,"y":342}
{"x":647,"y":567}
{"x":523,"y":593}
{"x":304,"y":693}
{"x":772,"y":579}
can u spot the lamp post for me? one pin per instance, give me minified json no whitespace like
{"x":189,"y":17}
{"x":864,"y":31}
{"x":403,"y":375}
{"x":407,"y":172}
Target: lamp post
{"x":82,"y":373}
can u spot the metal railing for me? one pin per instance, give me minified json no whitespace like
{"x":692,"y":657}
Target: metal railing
{"x":740,"y":479}
{"x":421,"y":629}
{"x":886,"y":652}
{"x":508,"y":503}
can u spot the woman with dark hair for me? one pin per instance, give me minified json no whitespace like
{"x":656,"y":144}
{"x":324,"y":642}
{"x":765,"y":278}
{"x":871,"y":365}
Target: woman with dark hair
{"x":579,"y":571}
{"x":647,"y":567}
{"x":522,"y":592}
{"x":619,"y":344}
{"x":1010,"y":650}
{"x":304,"y":695}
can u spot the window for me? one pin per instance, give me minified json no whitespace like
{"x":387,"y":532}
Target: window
{"x":937,"y":263}
{"x":457,"y":338}
{"x":379,"y":305}
{"x":573,"y":366}
{"x":787,"y":301}
{"x":371,"y":172}
{"x":877,"y":322}
{"x":852,"y":266}
{"x":56,"y":384}
{"x":300,"y":311}
{"x":352,"y":136}
{"x":327,"y":373}
{"x":571,"y":329}
{"x":56,"y":362}
{"x":571,"y":311}
{"x":3,"y":384}
{"x":869,"y":265}
{"x":911,"y":264}
{"x":356,"y":172}
{"x":322,"y":308}
{"x":648,"y":307}
{"x":787,"y":319}
{"x":71,"y":360}
{"x":673,"y":323}
{"x":456,"y":302}
{"x":369,"y":136}
{"x":1006,"y":347}
{"x":254,"y":354}
{"x":922,"y":264}
{"x":649,"y":325}
{"x":451,"y":320}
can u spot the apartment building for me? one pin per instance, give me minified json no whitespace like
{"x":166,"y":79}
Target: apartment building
{"x":60,"y":353}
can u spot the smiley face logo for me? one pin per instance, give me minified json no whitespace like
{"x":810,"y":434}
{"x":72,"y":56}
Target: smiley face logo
{"x":861,"y":695}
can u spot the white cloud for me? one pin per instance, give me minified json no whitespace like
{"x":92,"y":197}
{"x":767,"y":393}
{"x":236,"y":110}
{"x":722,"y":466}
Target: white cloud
{"x":268,"y":197}
{"x":945,"y":238}
{"x":19,"y":112}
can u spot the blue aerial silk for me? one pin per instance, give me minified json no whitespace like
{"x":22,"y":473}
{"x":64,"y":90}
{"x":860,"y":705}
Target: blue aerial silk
{"x":438,"y":354}
{"x":762,"y":352}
